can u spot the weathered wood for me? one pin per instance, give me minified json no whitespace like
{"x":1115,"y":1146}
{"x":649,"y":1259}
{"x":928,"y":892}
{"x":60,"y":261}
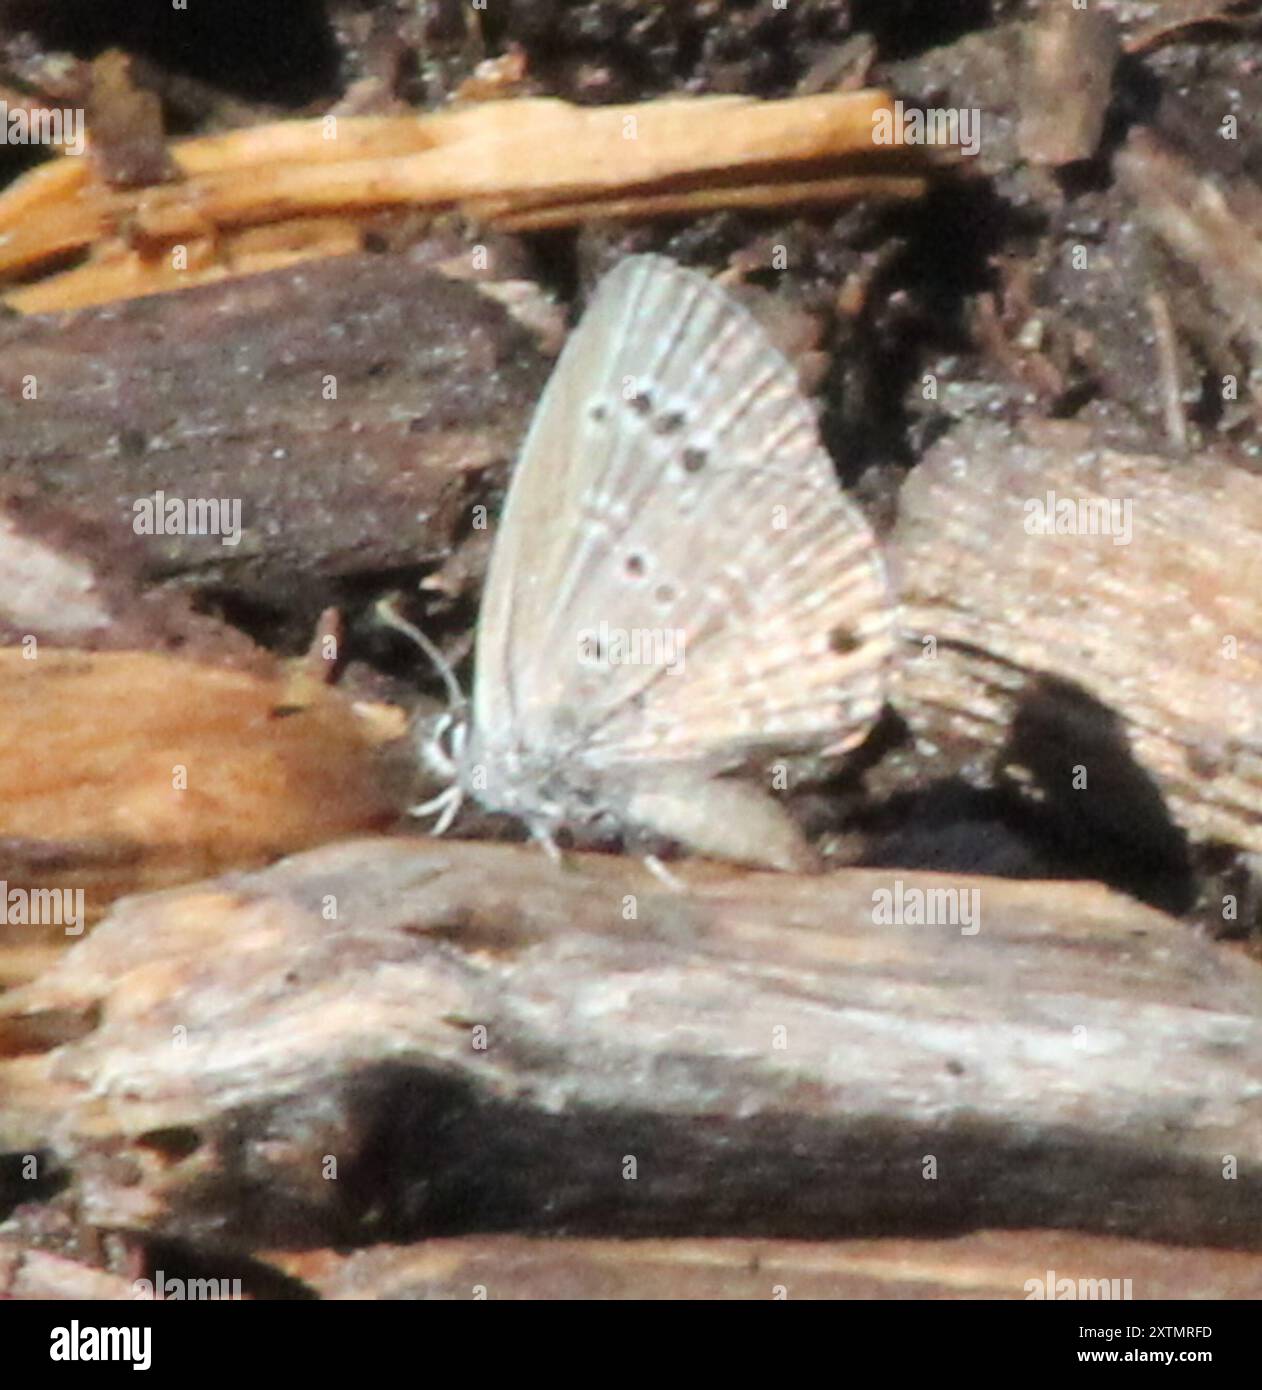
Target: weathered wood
{"x":992,"y":1264}
{"x":342,"y":406}
{"x":531,"y":161}
{"x":772,"y":1058}
{"x":1068,"y":82}
{"x":1114,"y":680}
{"x":989,"y":1264}
{"x":121,"y":771}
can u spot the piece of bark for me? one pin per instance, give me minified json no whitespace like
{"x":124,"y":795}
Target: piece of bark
{"x":1116,"y":684}
{"x":1156,"y":22}
{"x":68,"y":583}
{"x":531,"y":161}
{"x":125,"y":771}
{"x":42,"y":1275}
{"x":700,"y":200}
{"x":382,"y":1038}
{"x":1068,"y":83}
{"x":119,"y":271}
{"x":224,"y":393}
{"x":125,"y":125}
{"x":990,"y":1264}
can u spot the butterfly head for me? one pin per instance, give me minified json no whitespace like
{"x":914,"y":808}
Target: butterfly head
{"x":441,"y":744}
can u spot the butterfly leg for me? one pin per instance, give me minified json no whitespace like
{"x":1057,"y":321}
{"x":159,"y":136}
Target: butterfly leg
{"x":663,"y":875}
{"x":542,"y":836}
{"x":446,"y":804}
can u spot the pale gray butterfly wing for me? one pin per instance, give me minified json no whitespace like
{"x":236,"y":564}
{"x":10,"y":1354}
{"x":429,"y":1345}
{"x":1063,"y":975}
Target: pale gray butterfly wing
{"x":673,"y":481}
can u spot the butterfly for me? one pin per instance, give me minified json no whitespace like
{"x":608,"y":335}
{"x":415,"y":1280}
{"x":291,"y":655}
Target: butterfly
{"x":678,"y":592}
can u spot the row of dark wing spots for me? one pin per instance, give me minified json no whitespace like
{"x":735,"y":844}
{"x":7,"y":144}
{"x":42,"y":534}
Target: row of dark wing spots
{"x":584,"y":559}
{"x":637,"y":307}
{"x":652,"y":288}
{"x":718,"y":328}
{"x":692,"y":457}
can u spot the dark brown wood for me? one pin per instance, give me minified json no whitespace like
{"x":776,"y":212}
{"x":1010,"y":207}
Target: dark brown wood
{"x":227,"y":392}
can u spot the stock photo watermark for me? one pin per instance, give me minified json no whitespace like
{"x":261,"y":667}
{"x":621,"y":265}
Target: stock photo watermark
{"x":161,"y":515}
{"x":955,"y":127}
{"x":602,"y":647}
{"x":162,"y":1288}
{"x":928,"y":907}
{"x":1050,"y":515}
{"x":81,"y":1342}
{"x":42,"y":907}
{"x":1050,"y":1287}
{"x":42,"y":125}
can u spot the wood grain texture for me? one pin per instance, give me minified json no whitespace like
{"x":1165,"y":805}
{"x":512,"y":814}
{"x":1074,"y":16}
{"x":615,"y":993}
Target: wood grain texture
{"x":129,"y":771}
{"x":989,"y":1264}
{"x":1030,"y":656}
{"x":774,"y":1059}
{"x":342,"y":406}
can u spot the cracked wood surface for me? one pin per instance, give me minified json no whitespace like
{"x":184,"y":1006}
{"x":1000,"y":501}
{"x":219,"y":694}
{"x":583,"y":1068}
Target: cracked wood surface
{"x":771,"y":1058}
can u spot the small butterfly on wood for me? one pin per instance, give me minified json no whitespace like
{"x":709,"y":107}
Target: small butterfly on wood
{"x":679,"y":591}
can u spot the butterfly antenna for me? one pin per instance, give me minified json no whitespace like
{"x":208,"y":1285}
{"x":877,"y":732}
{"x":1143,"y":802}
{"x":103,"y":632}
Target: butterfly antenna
{"x":387,"y":613}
